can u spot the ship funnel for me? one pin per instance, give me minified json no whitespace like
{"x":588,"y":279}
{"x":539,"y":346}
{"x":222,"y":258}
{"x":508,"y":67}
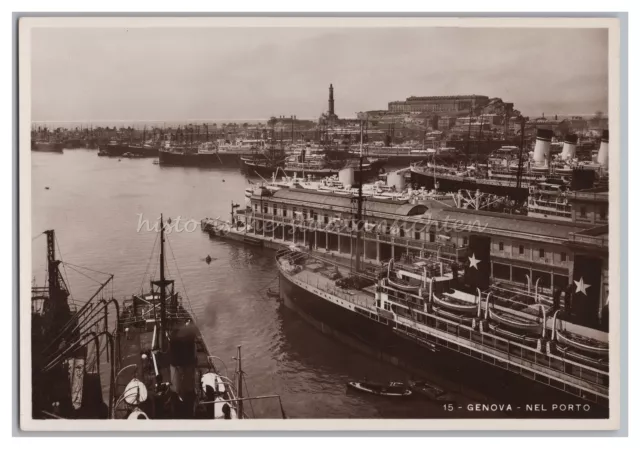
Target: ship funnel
{"x":346,"y":176}
{"x":603,"y":152}
{"x":569,"y":148}
{"x":396,"y":179}
{"x":182,"y":361}
{"x":542,"y":150}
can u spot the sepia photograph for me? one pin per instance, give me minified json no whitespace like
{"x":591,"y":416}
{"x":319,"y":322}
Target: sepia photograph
{"x":319,"y":223}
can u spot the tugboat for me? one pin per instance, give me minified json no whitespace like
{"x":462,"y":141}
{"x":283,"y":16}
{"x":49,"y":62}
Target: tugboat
{"x":170,"y":372}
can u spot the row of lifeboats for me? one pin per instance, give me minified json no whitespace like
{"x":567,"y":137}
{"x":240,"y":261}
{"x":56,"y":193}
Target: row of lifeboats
{"x":522,"y":325}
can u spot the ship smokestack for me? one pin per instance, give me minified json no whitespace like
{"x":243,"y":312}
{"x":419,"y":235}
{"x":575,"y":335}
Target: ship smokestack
{"x":346,"y":176}
{"x":396,"y":179}
{"x":603,"y":152}
{"x":542,"y":150}
{"x":569,"y":148}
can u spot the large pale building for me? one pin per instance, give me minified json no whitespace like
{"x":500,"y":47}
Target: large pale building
{"x":451,"y":104}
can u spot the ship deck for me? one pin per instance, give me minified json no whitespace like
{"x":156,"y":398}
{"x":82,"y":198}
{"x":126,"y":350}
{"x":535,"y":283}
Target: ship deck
{"x":138,"y":339}
{"x":317,"y":273}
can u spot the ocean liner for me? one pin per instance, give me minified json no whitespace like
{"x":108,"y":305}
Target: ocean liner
{"x":511,"y":173}
{"x":442,"y":297}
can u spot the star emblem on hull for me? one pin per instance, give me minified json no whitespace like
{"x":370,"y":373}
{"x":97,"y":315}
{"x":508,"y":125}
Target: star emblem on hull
{"x":473,"y":262}
{"x":581,"y":287}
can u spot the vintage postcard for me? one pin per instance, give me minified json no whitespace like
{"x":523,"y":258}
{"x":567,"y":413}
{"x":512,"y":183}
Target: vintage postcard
{"x":319,"y":223}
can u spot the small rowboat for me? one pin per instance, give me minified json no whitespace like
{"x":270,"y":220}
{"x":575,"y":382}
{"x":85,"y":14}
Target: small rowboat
{"x":392,"y":389}
{"x":585,"y":344}
{"x":429,"y":391}
{"x":273,"y":293}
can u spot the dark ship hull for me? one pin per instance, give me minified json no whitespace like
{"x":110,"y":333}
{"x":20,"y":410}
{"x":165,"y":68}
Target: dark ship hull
{"x":199,"y":159}
{"x":449,"y":183}
{"x":73,"y":143}
{"x":114,"y":150}
{"x":51,"y":147}
{"x":260,"y":168}
{"x":144,"y":151}
{"x":380,"y":340}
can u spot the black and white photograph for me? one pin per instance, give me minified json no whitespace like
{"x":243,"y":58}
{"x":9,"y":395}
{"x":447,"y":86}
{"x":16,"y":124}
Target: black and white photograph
{"x":319,"y":223}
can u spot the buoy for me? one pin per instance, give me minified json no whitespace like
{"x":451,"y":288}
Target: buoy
{"x":223,"y":180}
{"x":46,"y":188}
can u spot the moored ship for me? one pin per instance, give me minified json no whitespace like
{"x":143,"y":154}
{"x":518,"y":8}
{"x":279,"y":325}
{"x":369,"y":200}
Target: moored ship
{"x":51,"y":146}
{"x":113,"y":148}
{"x":209,"y":153}
{"x":509,"y":174}
{"x":498,"y":320}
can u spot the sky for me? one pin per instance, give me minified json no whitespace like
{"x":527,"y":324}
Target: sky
{"x":101,"y":74}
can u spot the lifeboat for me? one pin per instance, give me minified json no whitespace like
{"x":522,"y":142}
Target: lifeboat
{"x":515,"y":322}
{"x":586,"y":344}
{"x":452,"y":315}
{"x":404,"y":285}
{"x":454,"y":304}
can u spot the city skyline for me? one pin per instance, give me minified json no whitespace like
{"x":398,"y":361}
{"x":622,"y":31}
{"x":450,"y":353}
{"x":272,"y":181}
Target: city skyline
{"x":255,"y":73}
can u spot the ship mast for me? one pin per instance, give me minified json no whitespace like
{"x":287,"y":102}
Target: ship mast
{"x":359,"y":205}
{"x":519,"y":174}
{"x":239,"y":386}
{"x":163,"y":290}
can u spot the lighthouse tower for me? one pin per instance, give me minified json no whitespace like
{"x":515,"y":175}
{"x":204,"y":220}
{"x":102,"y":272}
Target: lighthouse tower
{"x":332,"y":112}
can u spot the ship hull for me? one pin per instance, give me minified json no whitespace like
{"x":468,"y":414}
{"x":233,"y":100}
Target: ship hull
{"x":199,"y":160}
{"x":260,"y":169}
{"x":50,"y":147}
{"x":144,"y":151}
{"x":461,"y":373}
{"x":73,"y":143}
{"x":114,"y":150}
{"x":446,"y":184}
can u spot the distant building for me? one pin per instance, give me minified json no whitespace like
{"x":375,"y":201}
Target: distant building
{"x":458,"y":104}
{"x":446,"y":122}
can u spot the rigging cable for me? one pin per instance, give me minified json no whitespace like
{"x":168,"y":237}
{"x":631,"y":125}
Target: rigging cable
{"x":184,"y":288}
{"x":248,"y":395}
{"x":83,"y":274}
{"x":146,"y":270}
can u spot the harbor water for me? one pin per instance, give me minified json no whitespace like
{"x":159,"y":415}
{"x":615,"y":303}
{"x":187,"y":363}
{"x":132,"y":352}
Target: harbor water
{"x":100,"y":207}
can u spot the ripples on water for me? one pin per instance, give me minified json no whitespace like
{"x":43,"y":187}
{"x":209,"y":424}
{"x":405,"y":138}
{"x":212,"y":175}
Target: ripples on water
{"x":93,"y":203}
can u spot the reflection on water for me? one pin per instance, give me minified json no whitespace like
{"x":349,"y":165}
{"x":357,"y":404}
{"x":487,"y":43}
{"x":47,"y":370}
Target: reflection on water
{"x":95,"y":204}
